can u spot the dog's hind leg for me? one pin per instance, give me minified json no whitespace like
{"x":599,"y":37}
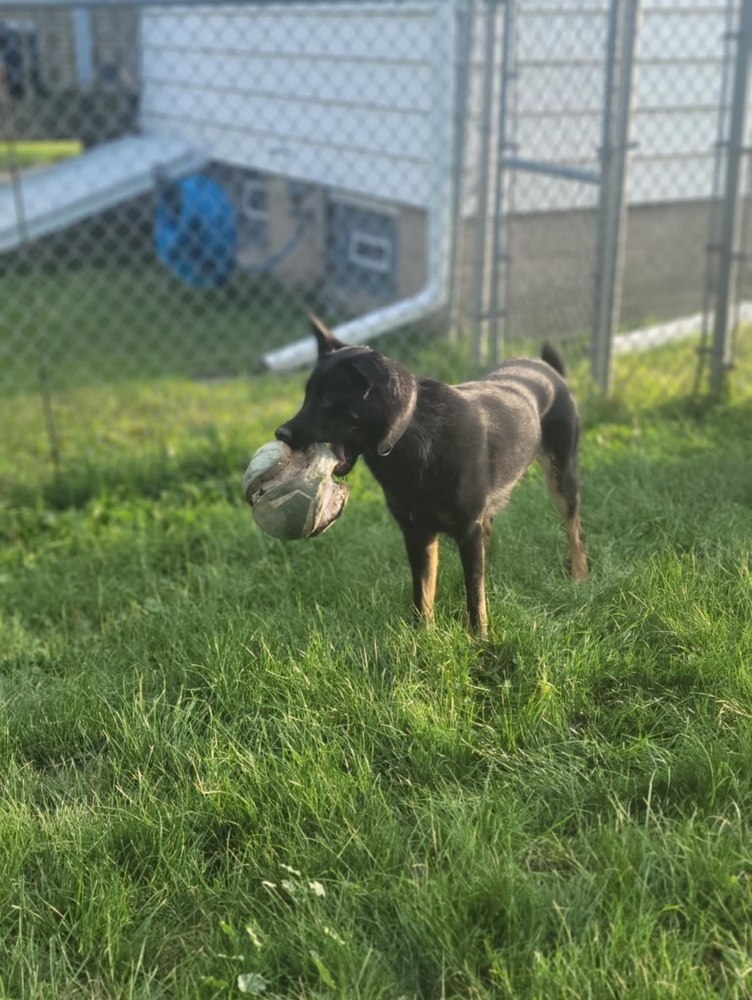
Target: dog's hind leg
{"x":472,"y":554}
{"x":423,"y":554}
{"x":563,"y":484}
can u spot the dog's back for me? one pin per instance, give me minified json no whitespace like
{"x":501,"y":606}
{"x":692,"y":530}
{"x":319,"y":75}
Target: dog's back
{"x":515,"y":404}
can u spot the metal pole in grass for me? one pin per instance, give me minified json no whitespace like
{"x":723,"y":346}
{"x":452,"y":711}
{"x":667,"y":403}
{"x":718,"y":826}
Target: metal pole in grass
{"x":9,"y":123}
{"x":623,"y":34}
{"x":728,"y":265}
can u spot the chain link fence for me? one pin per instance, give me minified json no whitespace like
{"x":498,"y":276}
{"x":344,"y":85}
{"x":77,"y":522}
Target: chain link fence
{"x":182,"y":183}
{"x":678,"y":188}
{"x":567,"y":71}
{"x":726,"y":308}
{"x":254,"y":161}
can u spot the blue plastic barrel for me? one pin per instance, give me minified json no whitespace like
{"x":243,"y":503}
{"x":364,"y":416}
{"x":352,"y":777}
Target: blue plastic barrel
{"x":195,"y":229}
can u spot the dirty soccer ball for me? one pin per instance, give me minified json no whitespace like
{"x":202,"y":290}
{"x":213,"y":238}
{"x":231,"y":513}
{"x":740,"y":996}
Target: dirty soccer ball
{"x":291,"y":493}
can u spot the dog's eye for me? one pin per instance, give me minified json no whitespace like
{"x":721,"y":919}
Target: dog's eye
{"x":326,"y":401}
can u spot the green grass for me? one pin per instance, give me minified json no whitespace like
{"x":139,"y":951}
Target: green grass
{"x":115,"y":322}
{"x":112,"y":322}
{"x":222,"y":756}
{"x":30,"y":153}
{"x":121,"y":317}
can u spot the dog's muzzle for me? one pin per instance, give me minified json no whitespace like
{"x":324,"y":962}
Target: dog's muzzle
{"x":284,"y":434}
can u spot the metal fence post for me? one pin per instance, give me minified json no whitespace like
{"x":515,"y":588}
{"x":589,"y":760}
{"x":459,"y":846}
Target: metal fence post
{"x":623,"y":32}
{"x":500,"y":251}
{"x":483,"y":250}
{"x":710,"y":285}
{"x":465,"y":16}
{"x":728,"y":265}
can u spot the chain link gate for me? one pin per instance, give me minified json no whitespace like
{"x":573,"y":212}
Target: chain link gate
{"x":533,"y":173}
{"x":598,"y":125}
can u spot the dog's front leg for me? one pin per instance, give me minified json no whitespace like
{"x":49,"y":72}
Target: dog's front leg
{"x":472,"y":553}
{"x":423,"y":553}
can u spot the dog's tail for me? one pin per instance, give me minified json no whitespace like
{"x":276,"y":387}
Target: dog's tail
{"x":552,"y":355}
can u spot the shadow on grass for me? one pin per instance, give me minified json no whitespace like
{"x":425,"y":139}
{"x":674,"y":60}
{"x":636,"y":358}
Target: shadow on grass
{"x":148,"y":477}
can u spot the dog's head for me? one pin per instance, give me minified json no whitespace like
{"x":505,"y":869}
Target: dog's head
{"x":356,"y":400}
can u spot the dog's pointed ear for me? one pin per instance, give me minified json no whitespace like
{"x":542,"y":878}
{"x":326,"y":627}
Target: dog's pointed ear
{"x":397,"y":392}
{"x":325,"y":339}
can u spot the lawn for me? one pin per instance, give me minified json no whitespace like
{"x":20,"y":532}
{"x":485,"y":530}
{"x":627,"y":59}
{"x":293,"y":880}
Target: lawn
{"x":231,"y":765}
{"x":114,"y":322}
{"x":32,"y":153}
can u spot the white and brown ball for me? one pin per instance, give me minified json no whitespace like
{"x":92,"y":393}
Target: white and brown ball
{"x":291,"y":493}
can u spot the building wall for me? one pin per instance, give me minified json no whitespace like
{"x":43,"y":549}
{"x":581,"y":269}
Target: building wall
{"x":304,"y":267}
{"x":551,"y":272}
{"x":551,"y":276}
{"x":318,"y":260}
{"x":559,"y":90}
{"x":413,"y":226}
{"x":340,"y":95}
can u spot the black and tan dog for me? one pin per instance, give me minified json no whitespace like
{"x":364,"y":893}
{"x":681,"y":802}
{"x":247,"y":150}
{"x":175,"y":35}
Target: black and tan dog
{"x":446,"y":456}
